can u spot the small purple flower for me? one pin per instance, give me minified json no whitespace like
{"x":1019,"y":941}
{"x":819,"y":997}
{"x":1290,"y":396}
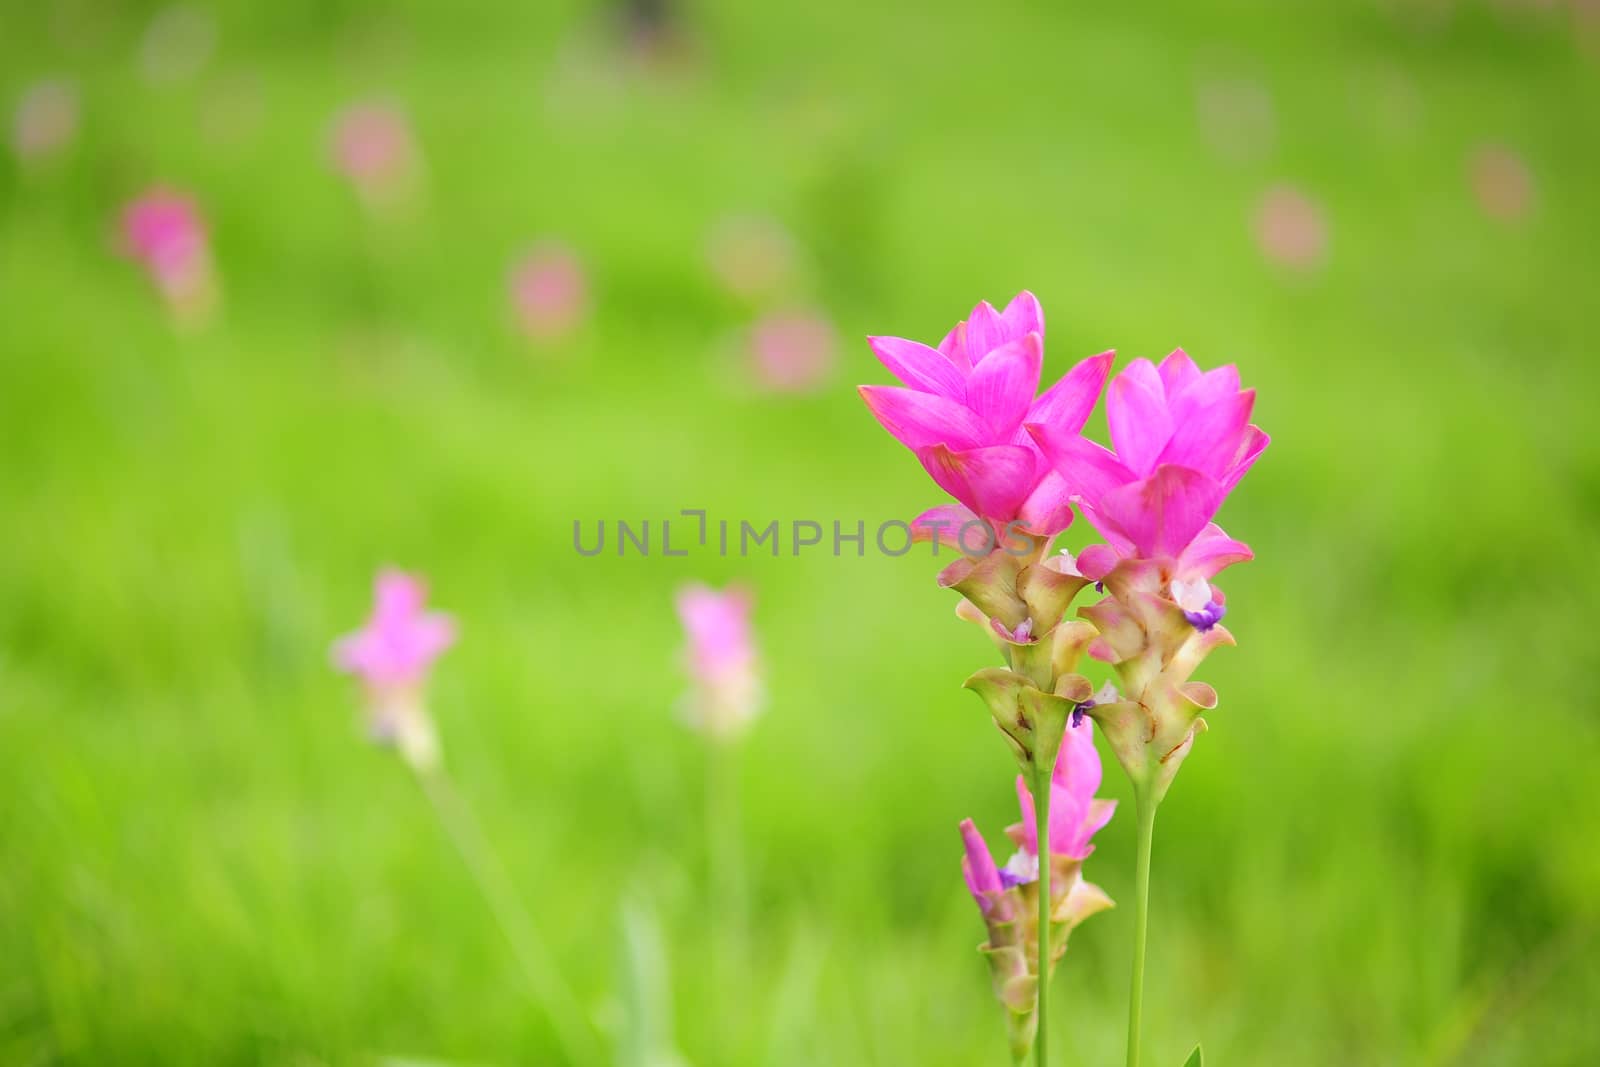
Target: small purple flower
{"x":1201,"y":602}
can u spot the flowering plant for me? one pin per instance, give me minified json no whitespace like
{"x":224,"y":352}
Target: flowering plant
{"x":1017,"y":466}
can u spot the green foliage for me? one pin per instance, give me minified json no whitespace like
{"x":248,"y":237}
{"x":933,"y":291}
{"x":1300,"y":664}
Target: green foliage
{"x":1382,"y":851}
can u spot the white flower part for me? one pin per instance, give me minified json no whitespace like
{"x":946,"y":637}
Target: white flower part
{"x":1022,"y":867}
{"x":1193,"y":595}
{"x":1107,"y":694}
{"x":1063,"y":564}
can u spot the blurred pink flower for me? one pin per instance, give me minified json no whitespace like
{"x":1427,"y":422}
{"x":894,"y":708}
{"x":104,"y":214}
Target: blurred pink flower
{"x":1291,"y":229}
{"x":46,"y":121}
{"x":400,"y":640}
{"x":392,"y":654}
{"x":963,"y":409}
{"x":792,"y":351}
{"x":549,"y":291}
{"x":721,"y":658}
{"x":1183,"y":440}
{"x":1502,"y":183}
{"x":372,"y":146}
{"x":751,"y":256}
{"x":164,"y":232}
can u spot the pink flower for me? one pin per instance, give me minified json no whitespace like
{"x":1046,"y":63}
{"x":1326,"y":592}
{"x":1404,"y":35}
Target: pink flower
{"x":1291,"y":229}
{"x":392,"y":655}
{"x":163,"y":231}
{"x":400,"y":641}
{"x":791,"y":352}
{"x":721,"y":658}
{"x":1076,"y":815}
{"x":1183,"y":440}
{"x":549,"y":291}
{"x":1502,"y":183}
{"x":963,"y":408}
{"x":46,"y":121}
{"x":373,"y":147}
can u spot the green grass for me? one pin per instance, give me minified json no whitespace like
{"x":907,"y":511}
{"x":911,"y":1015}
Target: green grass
{"x":1382,"y":853}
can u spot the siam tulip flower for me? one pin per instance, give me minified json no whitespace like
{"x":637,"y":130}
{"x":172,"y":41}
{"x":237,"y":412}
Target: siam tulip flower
{"x":1008,"y":896}
{"x":1182,"y":441}
{"x":549,"y":291}
{"x":392,"y":655}
{"x":751,"y":257}
{"x":1502,"y":183}
{"x":164,"y":232}
{"x":1291,"y":229}
{"x":721,"y":659}
{"x":372,"y":146}
{"x":962,"y":409}
{"x":792,"y":351}
{"x":46,"y":121}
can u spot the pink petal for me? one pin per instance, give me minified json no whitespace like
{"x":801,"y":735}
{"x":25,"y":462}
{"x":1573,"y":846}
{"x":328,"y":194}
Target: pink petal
{"x":1100,"y":812}
{"x":954,"y":348}
{"x":1073,"y":782}
{"x":1096,"y":561}
{"x":918,"y":420}
{"x":1206,"y":437}
{"x":1212,"y":387}
{"x":978,"y":865}
{"x":1177,"y":371}
{"x":1066,"y":404}
{"x":1117,"y":539}
{"x":1211,"y":551}
{"x":920,"y":367}
{"x":1251,"y":445}
{"x":942,"y":524}
{"x":992,"y":481}
{"x":1002,"y":386}
{"x":1077,"y":768}
{"x":397,"y":595}
{"x":1136,"y":409}
{"x":1048,"y":509}
{"x":1030,"y":831}
{"x":1164,"y":512}
{"x":1090,"y":470}
{"x":1023,"y":316}
{"x":985,"y":332}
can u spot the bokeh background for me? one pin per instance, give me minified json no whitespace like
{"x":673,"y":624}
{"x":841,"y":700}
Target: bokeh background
{"x":1384,"y":852}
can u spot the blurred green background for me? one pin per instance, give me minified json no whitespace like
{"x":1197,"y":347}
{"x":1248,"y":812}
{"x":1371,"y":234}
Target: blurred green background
{"x":1384,"y":852}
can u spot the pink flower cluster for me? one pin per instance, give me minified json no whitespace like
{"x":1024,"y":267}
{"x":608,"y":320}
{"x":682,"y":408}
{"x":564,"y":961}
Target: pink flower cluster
{"x":963,"y":409}
{"x":1076,"y":815}
{"x":1182,"y":439}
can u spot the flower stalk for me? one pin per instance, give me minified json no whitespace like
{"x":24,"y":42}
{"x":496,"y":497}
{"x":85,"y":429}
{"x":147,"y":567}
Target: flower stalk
{"x":1041,"y":792}
{"x":1145,"y":819}
{"x":544,"y":981}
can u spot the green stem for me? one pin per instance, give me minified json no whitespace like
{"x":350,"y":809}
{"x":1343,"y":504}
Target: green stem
{"x":1041,"y":822}
{"x":1145,"y":810}
{"x":722,"y":834}
{"x":538,"y":969}
{"x":724,"y":878}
